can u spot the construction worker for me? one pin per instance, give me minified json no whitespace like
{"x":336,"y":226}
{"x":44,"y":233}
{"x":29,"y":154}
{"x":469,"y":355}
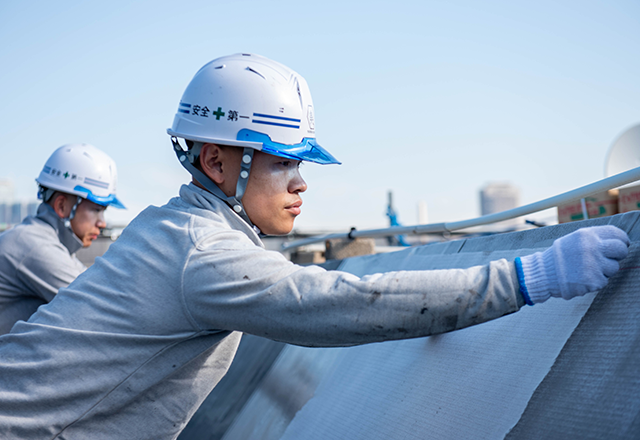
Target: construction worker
{"x":134,"y":345}
{"x":38,"y":256}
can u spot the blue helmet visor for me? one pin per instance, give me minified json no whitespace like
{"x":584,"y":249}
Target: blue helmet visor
{"x":308,"y":149}
{"x":110,"y":200}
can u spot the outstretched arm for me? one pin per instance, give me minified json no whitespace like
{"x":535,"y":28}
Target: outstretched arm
{"x":261,"y":293}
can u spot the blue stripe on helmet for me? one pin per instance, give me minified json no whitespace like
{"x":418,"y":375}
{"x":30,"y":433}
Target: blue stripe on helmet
{"x":282,"y":118}
{"x":275,"y":123}
{"x":95,"y":182}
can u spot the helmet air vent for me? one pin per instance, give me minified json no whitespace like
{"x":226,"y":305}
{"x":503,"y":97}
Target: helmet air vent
{"x":299,"y":94}
{"x":256,"y":72}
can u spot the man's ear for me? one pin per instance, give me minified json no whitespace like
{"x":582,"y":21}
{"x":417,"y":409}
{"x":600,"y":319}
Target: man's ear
{"x":221,"y":164}
{"x":212,"y":162}
{"x":60,"y":204}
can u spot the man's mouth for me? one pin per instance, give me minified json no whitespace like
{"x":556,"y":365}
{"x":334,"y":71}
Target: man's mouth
{"x":295,"y":208}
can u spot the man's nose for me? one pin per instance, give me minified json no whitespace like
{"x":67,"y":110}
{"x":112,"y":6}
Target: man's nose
{"x":298,"y":185}
{"x":101,"y":223}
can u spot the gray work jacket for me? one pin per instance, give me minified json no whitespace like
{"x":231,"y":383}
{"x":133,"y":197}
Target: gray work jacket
{"x":37,"y":257}
{"x":134,"y":345}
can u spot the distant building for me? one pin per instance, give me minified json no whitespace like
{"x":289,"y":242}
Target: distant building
{"x":6,"y":190}
{"x":6,"y":198}
{"x":15,"y":215}
{"x":13,"y":212}
{"x":3,"y":215}
{"x":32,"y":208}
{"x":498,"y":197}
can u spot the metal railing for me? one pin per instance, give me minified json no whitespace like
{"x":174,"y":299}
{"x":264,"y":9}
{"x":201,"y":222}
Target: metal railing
{"x":434,"y":228}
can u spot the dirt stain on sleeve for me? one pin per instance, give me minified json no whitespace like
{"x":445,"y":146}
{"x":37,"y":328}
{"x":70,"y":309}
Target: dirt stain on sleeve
{"x":374,"y":297}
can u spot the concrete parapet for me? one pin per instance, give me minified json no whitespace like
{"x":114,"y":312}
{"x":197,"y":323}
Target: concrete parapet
{"x":338,"y":249}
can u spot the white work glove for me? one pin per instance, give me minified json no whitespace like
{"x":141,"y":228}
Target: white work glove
{"x":574,"y":265}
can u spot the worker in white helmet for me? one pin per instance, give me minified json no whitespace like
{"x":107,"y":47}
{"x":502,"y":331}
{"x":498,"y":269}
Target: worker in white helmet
{"x":137,"y":342}
{"x":38,"y":256}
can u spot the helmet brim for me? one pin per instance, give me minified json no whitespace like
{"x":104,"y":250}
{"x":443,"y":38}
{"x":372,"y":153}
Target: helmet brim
{"x":308,"y":150}
{"x":110,"y":200}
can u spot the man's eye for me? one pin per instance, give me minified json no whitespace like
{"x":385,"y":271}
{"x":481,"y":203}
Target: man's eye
{"x":290,"y":163}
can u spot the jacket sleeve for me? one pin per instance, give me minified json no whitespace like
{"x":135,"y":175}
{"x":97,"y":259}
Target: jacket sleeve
{"x":260,"y":292}
{"x":46,"y":269}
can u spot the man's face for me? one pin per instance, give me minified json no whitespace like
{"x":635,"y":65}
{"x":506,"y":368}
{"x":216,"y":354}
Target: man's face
{"x":88,"y":221}
{"x":272,"y":198}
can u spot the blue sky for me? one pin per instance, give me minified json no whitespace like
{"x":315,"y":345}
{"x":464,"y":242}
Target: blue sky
{"x":429,"y":99}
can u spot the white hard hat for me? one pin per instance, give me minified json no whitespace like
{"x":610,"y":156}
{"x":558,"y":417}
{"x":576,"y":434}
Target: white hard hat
{"x":83,"y":170}
{"x":246,"y":100}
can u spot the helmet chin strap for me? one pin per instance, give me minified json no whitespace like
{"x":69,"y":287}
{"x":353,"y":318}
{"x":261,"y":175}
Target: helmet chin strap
{"x":72,"y":214}
{"x":235,"y":202}
{"x":46,"y":193}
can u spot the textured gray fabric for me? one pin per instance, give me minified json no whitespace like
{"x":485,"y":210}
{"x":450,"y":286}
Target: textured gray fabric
{"x":133,"y":346}
{"x":37,"y":257}
{"x":593,"y":389}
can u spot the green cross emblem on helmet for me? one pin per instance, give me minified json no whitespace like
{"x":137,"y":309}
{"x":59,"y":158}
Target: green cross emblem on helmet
{"x":218,"y":113}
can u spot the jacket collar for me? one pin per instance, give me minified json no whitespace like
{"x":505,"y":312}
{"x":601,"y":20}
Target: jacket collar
{"x":203,"y":199}
{"x":65,"y":234}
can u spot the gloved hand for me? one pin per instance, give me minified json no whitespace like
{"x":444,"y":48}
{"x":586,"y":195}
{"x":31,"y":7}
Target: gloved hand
{"x":574,"y":265}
